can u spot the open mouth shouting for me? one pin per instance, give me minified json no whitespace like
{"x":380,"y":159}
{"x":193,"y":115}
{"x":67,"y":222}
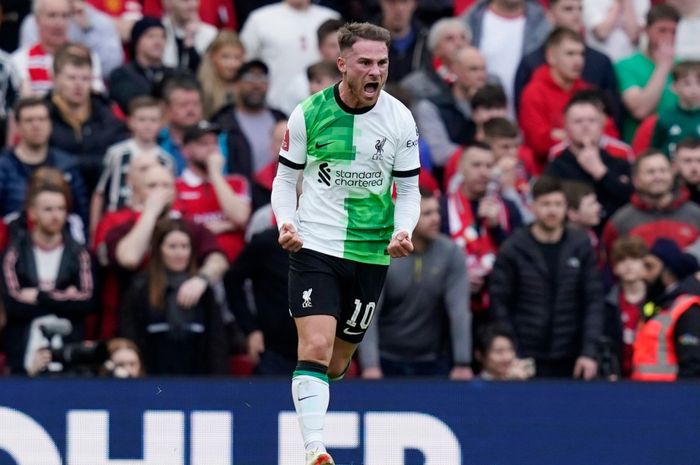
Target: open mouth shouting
{"x":371,"y":90}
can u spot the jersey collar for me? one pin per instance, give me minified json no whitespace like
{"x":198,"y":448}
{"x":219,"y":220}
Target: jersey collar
{"x":344,"y":107}
{"x":190,"y":178}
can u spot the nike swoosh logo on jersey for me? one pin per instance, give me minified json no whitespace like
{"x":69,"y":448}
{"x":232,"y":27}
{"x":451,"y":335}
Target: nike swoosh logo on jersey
{"x":320,"y":146}
{"x":307,"y":397}
{"x":352,"y":333}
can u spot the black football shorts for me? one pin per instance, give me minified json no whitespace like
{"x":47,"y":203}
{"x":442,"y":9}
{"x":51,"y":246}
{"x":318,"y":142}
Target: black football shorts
{"x":320,"y":284}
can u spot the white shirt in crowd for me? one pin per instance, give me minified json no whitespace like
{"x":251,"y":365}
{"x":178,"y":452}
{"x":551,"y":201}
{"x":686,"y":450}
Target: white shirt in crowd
{"x":285,"y":39}
{"x":617,"y":45}
{"x":502,"y":48}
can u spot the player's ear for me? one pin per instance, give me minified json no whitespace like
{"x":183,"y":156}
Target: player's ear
{"x":341,"y":63}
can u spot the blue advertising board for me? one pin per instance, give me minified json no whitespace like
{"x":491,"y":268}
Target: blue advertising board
{"x":251,"y":422}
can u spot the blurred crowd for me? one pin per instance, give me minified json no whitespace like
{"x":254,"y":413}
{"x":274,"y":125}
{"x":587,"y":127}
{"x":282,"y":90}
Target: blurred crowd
{"x":559,"y":234}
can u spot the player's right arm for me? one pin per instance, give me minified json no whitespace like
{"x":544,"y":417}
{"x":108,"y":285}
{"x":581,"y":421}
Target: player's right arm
{"x":292,"y":160}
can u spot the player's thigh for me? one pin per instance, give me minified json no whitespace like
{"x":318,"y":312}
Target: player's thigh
{"x":360,"y":296}
{"x":314,"y":284}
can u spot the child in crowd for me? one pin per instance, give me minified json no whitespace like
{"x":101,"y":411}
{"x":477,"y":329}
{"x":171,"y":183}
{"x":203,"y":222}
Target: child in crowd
{"x":683,"y":120}
{"x":495,"y":351}
{"x":583,"y":209}
{"x":624,"y":301}
{"x":112,"y":191}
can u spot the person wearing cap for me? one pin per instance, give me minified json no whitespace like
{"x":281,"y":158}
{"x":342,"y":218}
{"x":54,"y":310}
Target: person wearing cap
{"x":207,"y":197}
{"x":249,"y":121}
{"x":146,"y":70}
{"x":667,"y":346}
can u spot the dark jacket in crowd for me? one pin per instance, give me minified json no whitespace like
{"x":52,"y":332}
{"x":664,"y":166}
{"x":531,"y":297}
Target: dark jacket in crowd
{"x":173,"y":340}
{"x":458,"y":124}
{"x":411,"y":57}
{"x":132,"y":80}
{"x":91,"y":142}
{"x":266,"y":265}
{"x":14,"y":178}
{"x":613,"y":190}
{"x":20,"y":270}
{"x":553,"y":317}
{"x":597,"y":71}
{"x":240,"y":154}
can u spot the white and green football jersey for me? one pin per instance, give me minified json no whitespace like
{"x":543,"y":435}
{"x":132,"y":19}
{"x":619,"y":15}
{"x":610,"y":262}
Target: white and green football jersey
{"x":349,"y":158}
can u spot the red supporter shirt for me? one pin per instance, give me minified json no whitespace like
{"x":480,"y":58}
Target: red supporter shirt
{"x":128,"y":9}
{"x":630,"y":315}
{"x":218,"y":13}
{"x":196,"y":200}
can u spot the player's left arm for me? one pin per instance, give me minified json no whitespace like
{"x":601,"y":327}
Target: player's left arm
{"x":407,"y":209}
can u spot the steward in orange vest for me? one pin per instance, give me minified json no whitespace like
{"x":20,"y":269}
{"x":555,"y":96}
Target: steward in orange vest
{"x":667,"y":345}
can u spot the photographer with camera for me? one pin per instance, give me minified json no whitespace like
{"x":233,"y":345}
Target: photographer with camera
{"x":45,"y":272}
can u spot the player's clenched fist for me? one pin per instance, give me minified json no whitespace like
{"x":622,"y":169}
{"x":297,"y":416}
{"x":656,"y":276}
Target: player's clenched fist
{"x":289,"y":238}
{"x":400,"y":245}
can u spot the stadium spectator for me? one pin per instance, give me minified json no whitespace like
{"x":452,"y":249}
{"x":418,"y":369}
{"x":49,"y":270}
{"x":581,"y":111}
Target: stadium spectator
{"x":624,"y":302}
{"x":445,"y":37}
{"x":182,"y":96}
{"x":544,"y":98}
{"x":82,"y":122}
{"x":87,"y":26}
{"x":219,"y":13}
{"x":494,"y":349}
{"x":298,"y":87}
{"x":656,"y":209}
{"x":614,"y":27}
{"x":17,"y":222}
{"x":424,"y":294}
{"x":478,"y":219}
{"x":503,"y":137}
{"x":112,"y":191}
{"x":597,"y":67}
{"x":666,"y":345}
{"x":321,"y":75}
{"x":271,"y":337}
{"x":487,"y":103}
{"x":505,"y":31}
{"x":283,"y":35}
{"x":249,"y":121}
{"x":186,"y":36}
{"x":176,"y":335}
{"x":262,"y":181}
{"x":127,"y":243}
{"x":583,"y":211}
{"x":145,"y":73}
{"x":687,"y":47}
{"x":124,"y":14}
{"x":218,"y":70}
{"x":124,"y":359}
{"x":9,"y":93}
{"x":645,"y":77}
{"x":408,"y":51}
{"x":45,"y":272}
{"x":585,"y":160}
{"x":686,"y":164}
{"x":545,"y":285}
{"x":33,"y":152}
{"x":34,"y":62}
{"x":683,"y":120}
{"x":205,"y":196}
{"x":602,"y":130}
{"x":445,"y":120}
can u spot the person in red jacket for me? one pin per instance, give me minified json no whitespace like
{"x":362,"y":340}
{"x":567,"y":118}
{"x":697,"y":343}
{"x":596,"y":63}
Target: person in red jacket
{"x":544,"y":98}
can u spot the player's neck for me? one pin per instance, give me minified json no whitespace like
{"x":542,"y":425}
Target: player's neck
{"x":351,"y":101}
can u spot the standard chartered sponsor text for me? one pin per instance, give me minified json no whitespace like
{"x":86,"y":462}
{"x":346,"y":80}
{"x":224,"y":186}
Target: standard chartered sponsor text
{"x":359,"y":178}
